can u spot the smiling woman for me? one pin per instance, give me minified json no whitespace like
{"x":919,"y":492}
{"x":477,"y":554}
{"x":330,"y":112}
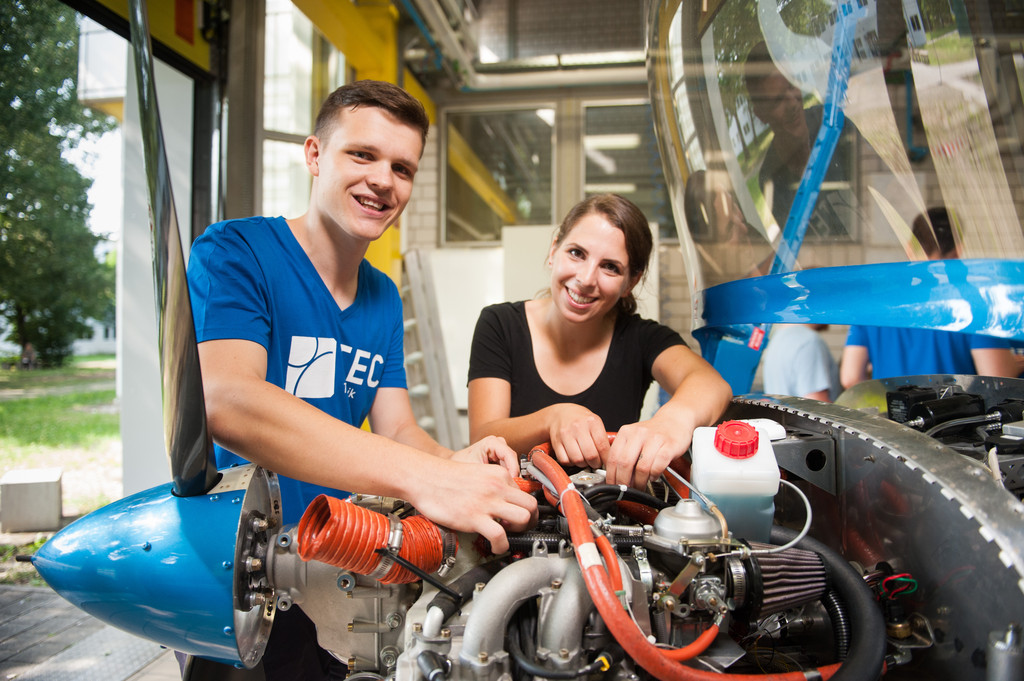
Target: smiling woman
{"x":573,"y":365}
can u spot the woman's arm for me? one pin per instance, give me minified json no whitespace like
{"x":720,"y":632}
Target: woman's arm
{"x":577,"y":435}
{"x":699,"y":396}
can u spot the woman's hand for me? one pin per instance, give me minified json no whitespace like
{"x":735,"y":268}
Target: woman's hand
{"x":577,"y":435}
{"x":642,"y":451}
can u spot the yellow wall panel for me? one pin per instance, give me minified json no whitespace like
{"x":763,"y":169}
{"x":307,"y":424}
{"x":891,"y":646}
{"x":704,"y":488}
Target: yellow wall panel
{"x":165,"y":18}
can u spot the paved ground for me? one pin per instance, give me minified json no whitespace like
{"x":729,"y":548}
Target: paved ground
{"x":45,"y":638}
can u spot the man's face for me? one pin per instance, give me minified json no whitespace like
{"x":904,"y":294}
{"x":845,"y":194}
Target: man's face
{"x":363,"y":171}
{"x":779,"y":103}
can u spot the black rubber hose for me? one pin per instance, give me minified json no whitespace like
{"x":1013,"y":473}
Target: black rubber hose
{"x":597,"y":494}
{"x":523,"y":541}
{"x":464,"y":586}
{"x":532,"y":669}
{"x":433,"y":665}
{"x":840,"y":623}
{"x":867,"y":626}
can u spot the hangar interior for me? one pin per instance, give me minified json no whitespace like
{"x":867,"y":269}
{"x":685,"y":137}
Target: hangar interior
{"x":534,"y":105}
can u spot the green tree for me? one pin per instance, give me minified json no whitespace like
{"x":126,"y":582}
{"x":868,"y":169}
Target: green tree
{"x":50,"y":279}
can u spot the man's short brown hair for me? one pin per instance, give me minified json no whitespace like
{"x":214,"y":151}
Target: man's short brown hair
{"x":375,"y":93}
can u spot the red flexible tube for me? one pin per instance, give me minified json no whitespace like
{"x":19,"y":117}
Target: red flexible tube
{"x":695,"y":648}
{"x":629,"y":636}
{"x":339,"y":533}
{"x":611,"y":560}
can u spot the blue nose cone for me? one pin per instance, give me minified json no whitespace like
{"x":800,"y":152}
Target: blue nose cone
{"x":164,"y":568}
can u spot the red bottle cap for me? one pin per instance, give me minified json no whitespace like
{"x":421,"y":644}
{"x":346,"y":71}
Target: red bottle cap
{"x":736,"y":439}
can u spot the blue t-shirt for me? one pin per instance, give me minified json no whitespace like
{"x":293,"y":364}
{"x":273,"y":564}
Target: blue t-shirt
{"x":913,"y":352}
{"x":798,"y":362}
{"x":250,"y":279}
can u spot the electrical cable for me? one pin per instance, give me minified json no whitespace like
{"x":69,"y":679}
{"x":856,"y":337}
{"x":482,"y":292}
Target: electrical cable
{"x":983,"y":418}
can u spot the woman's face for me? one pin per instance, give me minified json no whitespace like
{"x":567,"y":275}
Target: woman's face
{"x":590,"y":269}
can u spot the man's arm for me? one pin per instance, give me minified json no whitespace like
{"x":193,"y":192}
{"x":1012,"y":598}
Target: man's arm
{"x":853,"y":367}
{"x":392,"y":416}
{"x":997,"y":362}
{"x":281,"y":432}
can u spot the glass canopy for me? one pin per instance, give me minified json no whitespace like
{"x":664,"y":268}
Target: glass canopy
{"x":827,"y":158}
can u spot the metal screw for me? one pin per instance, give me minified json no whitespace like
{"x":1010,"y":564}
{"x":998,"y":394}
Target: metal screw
{"x":389,"y":656}
{"x":556,"y":584}
{"x":446,"y":633}
{"x":482,"y":656}
{"x":479,"y":586}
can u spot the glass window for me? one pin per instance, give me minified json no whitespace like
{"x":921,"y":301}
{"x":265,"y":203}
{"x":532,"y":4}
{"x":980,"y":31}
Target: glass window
{"x":621,"y":156}
{"x":300,"y":69}
{"x":499,"y":172}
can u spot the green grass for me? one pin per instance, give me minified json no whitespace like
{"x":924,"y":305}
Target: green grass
{"x":76,"y":419}
{"x":12,"y":572}
{"x":59,"y":417}
{"x":79,"y":371}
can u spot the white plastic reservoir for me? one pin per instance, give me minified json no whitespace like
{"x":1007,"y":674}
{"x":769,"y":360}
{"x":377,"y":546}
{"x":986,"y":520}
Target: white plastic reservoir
{"x":734,"y":465}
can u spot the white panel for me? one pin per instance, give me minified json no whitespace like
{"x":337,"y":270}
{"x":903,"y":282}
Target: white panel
{"x":144,"y":458}
{"x":526,"y":255}
{"x":466,"y":280}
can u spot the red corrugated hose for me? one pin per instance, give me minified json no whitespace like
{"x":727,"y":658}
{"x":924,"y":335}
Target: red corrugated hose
{"x":339,"y":533}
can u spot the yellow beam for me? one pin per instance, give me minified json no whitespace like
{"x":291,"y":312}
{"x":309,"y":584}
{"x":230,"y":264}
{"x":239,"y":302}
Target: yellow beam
{"x":365,"y":35}
{"x":470,"y":168}
{"x":413,"y":87}
{"x":173,"y":23}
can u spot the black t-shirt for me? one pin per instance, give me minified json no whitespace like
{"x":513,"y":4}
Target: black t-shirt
{"x":502,"y":348}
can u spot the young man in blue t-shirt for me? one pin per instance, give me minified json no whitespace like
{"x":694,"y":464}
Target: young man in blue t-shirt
{"x":300,"y":340}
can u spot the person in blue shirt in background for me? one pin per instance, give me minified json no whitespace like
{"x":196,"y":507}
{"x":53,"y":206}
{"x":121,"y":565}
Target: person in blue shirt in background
{"x":885,"y":352}
{"x":798,"y":362}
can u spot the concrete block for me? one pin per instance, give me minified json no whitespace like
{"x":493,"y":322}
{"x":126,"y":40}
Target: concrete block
{"x":30,"y":500}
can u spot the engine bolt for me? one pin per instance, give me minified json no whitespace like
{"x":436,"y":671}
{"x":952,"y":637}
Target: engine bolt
{"x":389,"y":656}
{"x":393,"y":620}
{"x":479,"y":586}
{"x":446,"y":633}
{"x":256,"y":598}
{"x":253,"y":564}
{"x":564,"y":653}
{"x":556,"y":584}
{"x":417,"y":627}
{"x":482,"y":656}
